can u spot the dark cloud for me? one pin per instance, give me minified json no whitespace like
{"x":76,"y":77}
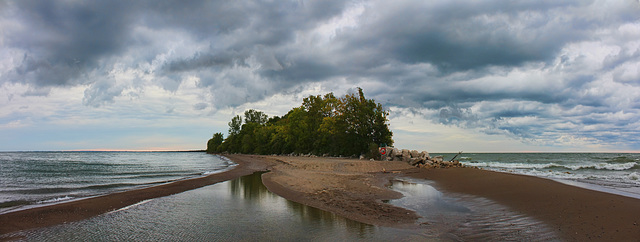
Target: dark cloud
{"x":207,"y":60}
{"x":491,"y":65}
{"x":63,"y":40}
{"x":459,"y":35}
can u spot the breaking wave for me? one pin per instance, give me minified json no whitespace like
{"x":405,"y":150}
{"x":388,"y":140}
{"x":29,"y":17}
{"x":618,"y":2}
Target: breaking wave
{"x":597,"y":166}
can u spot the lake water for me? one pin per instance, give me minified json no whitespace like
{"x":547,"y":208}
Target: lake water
{"x":617,"y":173}
{"x":237,"y":210}
{"x":41,"y":178}
{"x":243,"y":209}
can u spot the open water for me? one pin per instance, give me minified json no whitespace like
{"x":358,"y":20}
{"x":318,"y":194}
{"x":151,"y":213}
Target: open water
{"x":617,"y":173}
{"x":41,"y":178}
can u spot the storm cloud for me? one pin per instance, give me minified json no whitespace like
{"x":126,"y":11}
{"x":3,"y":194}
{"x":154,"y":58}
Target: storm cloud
{"x":546,"y":73}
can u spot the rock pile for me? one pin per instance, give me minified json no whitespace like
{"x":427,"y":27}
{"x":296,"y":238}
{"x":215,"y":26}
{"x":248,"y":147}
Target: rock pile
{"x":415,"y":158}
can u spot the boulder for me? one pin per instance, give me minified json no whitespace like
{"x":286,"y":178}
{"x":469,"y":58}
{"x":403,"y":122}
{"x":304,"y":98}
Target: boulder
{"x":424,"y":155}
{"x":406,"y":156}
{"x":414,"y":154}
{"x":397,"y":152}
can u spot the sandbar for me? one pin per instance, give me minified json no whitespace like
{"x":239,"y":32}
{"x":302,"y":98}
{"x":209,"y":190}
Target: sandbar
{"x":357,"y":189}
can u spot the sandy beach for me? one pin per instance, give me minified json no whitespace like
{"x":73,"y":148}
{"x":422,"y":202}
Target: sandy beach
{"x":356,"y":189}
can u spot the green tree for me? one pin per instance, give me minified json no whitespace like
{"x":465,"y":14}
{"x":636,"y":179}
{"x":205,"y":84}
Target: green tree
{"x":253,"y":116}
{"x":214,"y":143}
{"x":365,"y":122}
{"x":235,"y":125}
{"x":350,"y":125}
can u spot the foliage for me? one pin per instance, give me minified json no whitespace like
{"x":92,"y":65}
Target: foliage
{"x":350,"y":125}
{"x":214,"y":143}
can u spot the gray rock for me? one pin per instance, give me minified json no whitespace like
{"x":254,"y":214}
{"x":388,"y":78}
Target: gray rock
{"x":414,"y":154}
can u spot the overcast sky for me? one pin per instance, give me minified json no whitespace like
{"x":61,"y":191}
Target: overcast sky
{"x":456,"y":75}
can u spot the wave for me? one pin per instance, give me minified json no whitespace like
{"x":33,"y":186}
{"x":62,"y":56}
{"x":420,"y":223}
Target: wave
{"x":608,"y":179}
{"x":620,"y":159}
{"x":14,"y":203}
{"x":56,"y":199}
{"x":598,"y":166}
{"x":634,"y":176}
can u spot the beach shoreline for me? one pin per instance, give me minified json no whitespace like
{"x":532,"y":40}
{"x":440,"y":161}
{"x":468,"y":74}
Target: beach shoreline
{"x":75,"y":210}
{"x":357,"y":189}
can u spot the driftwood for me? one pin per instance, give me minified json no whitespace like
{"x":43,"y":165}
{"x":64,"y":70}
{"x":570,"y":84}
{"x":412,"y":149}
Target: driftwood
{"x":455,"y":156}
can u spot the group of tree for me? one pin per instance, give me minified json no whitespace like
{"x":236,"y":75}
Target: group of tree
{"x":346,"y":126}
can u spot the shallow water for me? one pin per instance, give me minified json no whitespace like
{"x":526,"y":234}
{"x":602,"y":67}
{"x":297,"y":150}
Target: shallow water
{"x":240,"y":209}
{"x":461,"y":217}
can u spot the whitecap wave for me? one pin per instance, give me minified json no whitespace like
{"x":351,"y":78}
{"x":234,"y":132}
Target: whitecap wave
{"x":55,"y":200}
{"x":599,"y":166}
{"x":634,"y":176}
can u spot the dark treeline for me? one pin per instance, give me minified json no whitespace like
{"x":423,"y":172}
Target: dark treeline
{"x":347,"y":126}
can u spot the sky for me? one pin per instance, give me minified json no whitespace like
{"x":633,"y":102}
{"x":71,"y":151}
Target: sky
{"x":455,"y":75}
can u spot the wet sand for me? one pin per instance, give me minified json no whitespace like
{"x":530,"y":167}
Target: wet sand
{"x":355,"y":189}
{"x":577,"y":214}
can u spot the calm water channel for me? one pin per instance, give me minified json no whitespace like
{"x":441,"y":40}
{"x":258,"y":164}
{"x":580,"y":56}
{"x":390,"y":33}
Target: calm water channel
{"x":240,"y":209}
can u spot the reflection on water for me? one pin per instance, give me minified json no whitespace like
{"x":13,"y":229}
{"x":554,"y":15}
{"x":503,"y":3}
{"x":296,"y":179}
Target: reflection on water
{"x":240,"y":209}
{"x":467,"y":218}
{"x":243,"y":209}
{"x":253,"y":191}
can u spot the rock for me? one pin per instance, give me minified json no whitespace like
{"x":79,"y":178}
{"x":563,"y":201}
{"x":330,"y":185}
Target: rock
{"x":362,"y":157}
{"x":424,"y":155}
{"x":397,"y":152}
{"x":414,"y":154}
{"x":406,"y":156}
{"x":437,"y":159}
{"x":414,"y":161}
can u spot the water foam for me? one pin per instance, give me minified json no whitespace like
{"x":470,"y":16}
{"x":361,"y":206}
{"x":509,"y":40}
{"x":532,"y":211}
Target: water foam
{"x":55,"y":200}
{"x":598,"y":166}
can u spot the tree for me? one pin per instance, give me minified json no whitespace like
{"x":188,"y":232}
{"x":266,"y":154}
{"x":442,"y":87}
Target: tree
{"x":214,"y":143}
{"x":253,"y":116}
{"x":235,"y":125}
{"x":350,"y":125}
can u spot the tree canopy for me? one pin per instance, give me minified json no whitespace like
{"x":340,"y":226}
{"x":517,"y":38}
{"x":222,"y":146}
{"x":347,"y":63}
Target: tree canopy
{"x":349,"y":125}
